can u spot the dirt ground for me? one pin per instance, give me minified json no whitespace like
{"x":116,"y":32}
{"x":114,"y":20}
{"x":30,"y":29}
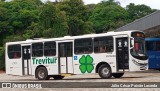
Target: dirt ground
{"x":2,"y":71}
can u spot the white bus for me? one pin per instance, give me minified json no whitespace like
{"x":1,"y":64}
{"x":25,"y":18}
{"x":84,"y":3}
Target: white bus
{"x":108,"y":54}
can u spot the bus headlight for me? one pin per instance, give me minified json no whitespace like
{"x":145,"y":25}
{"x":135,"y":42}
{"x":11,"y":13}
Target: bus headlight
{"x":139,"y":64}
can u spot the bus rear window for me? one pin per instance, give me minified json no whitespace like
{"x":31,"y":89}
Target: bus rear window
{"x":14,"y":51}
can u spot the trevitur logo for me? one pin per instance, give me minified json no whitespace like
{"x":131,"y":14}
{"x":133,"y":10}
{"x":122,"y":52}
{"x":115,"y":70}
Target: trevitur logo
{"x":47,"y":60}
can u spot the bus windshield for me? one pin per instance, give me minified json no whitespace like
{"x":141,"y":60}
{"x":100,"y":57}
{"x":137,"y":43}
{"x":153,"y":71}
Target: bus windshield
{"x":139,"y":46}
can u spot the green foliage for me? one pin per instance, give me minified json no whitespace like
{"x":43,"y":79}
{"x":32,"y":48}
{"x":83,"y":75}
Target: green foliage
{"x":2,"y":58}
{"x":21,"y":14}
{"x":35,"y":30}
{"x":3,"y":22}
{"x":13,"y":38}
{"x":77,"y":16}
{"x":107,"y":16}
{"x":28,"y":34}
{"x":138,"y":11}
{"x":53,"y":21}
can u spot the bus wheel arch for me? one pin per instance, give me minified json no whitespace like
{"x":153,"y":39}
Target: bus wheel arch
{"x":41,"y":73}
{"x":99,"y":64}
{"x":104,"y":70}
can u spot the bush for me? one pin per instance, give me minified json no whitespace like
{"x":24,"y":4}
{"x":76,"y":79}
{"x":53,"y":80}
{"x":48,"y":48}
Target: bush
{"x":2,"y":58}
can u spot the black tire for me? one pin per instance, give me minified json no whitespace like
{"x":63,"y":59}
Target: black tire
{"x":117,"y":75}
{"x":104,"y":71}
{"x":42,"y":73}
{"x":58,"y":77}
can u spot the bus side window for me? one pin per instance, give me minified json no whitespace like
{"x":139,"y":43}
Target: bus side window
{"x":14,"y":51}
{"x":158,"y":46}
{"x":15,"y":55}
{"x":83,"y":46}
{"x":103,"y":44}
{"x":150,"y":45}
{"x":37,"y":49}
{"x":77,"y":51}
{"x":102,"y":49}
{"x":50,"y":48}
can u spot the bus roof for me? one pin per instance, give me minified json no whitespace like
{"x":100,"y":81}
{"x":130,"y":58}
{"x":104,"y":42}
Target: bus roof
{"x":152,"y":39}
{"x":73,"y":37}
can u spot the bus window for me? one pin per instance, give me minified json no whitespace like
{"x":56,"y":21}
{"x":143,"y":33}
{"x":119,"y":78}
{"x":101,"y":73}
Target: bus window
{"x":136,"y":46}
{"x":150,"y":45}
{"x":14,"y":51}
{"x":37,"y":49}
{"x":50,"y":48}
{"x":83,"y":46}
{"x":62,"y":50}
{"x":158,"y":45}
{"x":139,"y":48}
{"x":69,"y":50}
{"x":103,"y":44}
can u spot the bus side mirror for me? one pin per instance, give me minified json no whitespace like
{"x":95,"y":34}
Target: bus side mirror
{"x":131,"y":43}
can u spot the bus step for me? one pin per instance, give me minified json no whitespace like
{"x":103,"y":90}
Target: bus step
{"x":66,"y":74}
{"x":122,"y":70}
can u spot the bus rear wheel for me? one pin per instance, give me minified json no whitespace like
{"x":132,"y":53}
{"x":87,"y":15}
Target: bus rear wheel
{"x":42,"y":74}
{"x":104,"y":71}
{"x":58,"y":77}
{"x":117,"y":75}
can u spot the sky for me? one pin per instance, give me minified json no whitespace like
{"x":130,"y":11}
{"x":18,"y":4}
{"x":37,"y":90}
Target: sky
{"x":154,"y":4}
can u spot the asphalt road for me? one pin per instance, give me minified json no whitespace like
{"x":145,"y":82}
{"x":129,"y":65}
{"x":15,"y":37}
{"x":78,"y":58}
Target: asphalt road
{"x":89,"y":82}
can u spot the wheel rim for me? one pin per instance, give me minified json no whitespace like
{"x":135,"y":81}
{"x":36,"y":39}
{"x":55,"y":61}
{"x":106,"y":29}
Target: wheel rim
{"x":105,"y":71}
{"x":41,"y":74}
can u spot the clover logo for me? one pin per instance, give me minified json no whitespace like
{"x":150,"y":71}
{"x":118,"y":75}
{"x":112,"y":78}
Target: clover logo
{"x":86,"y":64}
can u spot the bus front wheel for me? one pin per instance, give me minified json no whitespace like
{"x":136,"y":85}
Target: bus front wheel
{"x":104,"y":71}
{"x":42,"y":74}
{"x":117,"y":75}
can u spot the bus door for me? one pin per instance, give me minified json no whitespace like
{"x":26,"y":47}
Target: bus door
{"x":26,"y":60}
{"x":65,"y":62}
{"x":122,"y":53}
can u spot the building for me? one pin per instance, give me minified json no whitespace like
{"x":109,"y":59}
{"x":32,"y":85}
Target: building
{"x":150,"y":24}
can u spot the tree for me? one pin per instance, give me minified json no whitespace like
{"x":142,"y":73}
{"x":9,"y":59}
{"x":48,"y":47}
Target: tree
{"x":77,"y":16}
{"x":91,"y":8}
{"x":2,"y":58}
{"x":108,"y":16}
{"x":38,"y":2}
{"x":53,"y":21}
{"x":33,"y":31}
{"x":4,"y":25}
{"x":111,"y":2}
{"x":21,"y":14}
{"x":138,"y":11}
{"x":2,"y":0}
